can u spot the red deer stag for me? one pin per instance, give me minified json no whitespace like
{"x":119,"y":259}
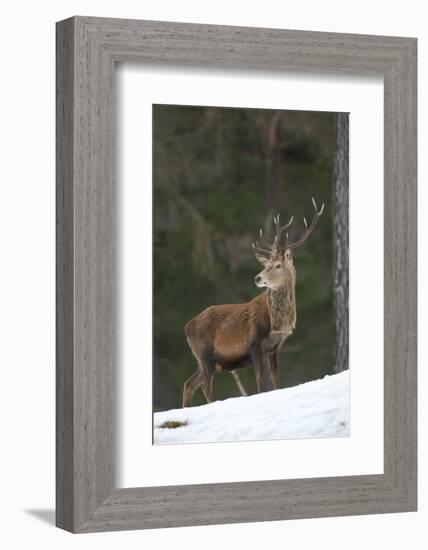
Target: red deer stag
{"x":232,"y":336}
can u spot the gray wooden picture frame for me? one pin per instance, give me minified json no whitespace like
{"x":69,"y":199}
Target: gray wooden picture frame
{"x":87,"y":50}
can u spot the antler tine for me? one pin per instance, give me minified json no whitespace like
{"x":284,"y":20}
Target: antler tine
{"x":263,"y":242}
{"x":256,"y":248}
{"x":280,"y":229}
{"x":321,"y":210}
{"x":274,"y":247}
{"x":266,"y":251}
{"x":308,"y":231}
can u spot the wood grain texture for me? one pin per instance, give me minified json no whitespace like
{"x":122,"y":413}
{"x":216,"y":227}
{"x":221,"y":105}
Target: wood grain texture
{"x":87,"y":49}
{"x":64,"y":278}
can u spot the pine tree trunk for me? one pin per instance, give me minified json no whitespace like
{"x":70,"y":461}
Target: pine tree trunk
{"x":341,"y":240}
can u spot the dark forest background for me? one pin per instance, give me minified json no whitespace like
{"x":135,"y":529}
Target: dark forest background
{"x":219,"y":175}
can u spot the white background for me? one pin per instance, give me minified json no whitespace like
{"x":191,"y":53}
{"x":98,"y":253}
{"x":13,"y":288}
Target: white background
{"x":362,"y":452}
{"x":27,"y":273}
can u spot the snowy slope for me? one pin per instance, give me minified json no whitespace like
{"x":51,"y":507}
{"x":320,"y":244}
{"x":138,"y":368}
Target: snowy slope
{"x":315,"y":409}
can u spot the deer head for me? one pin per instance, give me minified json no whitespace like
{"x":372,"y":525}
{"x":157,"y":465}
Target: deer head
{"x":277,"y":258}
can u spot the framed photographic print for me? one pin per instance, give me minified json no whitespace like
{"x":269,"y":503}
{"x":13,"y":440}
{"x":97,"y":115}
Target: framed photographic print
{"x":202,"y":230}
{"x":236,"y":274}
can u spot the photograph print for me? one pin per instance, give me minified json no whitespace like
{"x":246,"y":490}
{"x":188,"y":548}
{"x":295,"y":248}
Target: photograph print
{"x":250,"y":274}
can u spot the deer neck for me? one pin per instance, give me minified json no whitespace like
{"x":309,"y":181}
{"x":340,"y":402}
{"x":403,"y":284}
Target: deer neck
{"x":282,"y":308}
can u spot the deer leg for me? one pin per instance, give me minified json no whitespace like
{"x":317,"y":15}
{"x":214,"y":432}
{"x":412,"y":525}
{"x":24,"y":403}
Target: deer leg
{"x":190,"y":386}
{"x":202,"y":377}
{"x":260,"y":368}
{"x":239,"y":383}
{"x":207,"y":365}
{"x":207,"y":386}
{"x":273,"y":369}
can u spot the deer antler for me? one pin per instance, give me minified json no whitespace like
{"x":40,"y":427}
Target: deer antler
{"x":309,"y":229}
{"x":280,"y":230}
{"x":274,"y":247}
{"x":265,"y":251}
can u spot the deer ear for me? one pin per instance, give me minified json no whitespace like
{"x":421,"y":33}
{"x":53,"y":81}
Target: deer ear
{"x":262,"y":259}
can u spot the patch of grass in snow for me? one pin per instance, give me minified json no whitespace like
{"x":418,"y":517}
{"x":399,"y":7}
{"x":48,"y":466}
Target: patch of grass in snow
{"x":171,"y":424}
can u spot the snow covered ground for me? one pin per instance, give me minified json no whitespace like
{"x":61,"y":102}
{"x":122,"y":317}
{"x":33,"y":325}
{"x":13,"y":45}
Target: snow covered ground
{"x":315,"y":409}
